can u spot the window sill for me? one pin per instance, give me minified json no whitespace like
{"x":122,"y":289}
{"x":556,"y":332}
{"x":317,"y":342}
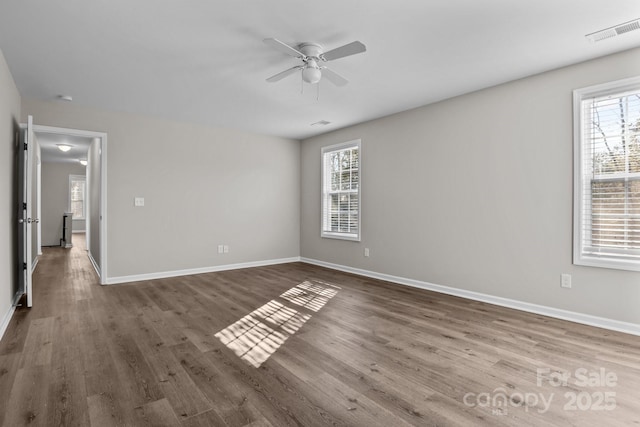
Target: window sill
{"x":593,"y":261}
{"x":340,"y":236}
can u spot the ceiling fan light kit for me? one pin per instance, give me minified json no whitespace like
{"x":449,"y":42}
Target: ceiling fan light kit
{"x":311,"y":74}
{"x":311,"y":55}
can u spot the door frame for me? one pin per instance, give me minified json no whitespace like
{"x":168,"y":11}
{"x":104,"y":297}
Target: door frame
{"x":25,"y":212}
{"x":39,"y":203}
{"x":102,"y":136}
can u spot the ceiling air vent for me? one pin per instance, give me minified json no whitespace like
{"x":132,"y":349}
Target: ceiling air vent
{"x":614,"y":31}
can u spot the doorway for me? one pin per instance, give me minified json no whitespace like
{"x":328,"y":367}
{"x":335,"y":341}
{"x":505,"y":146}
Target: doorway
{"x":64,"y":192}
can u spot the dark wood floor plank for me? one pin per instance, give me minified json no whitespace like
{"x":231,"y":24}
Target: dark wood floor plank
{"x":227,"y":396}
{"x":180,"y":391}
{"x":205,"y":419}
{"x":38,"y":345}
{"x":27,"y":403}
{"x":16,"y":333}
{"x":67,"y":404}
{"x":9,"y":365}
{"x":158,"y":413}
{"x":276,"y":398}
{"x":104,"y":411}
{"x":136,"y":381}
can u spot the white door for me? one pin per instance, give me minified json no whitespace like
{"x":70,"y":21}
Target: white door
{"x":25,"y":220}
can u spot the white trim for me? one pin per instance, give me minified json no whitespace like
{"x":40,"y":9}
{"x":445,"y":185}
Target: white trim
{"x":93,"y":262}
{"x":34,"y":264}
{"x":599,"y":90}
{"x":586,"y":319}
{"x":38,"y":198}
{"x":103,"y":209}
{"x":336,"y":234}
{"x":78,"y":231}
{"x":201,"y":270}
{"x":9,"y":314}
{"x":103,"y":184}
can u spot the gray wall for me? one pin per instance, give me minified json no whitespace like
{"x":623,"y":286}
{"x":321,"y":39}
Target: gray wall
{"x":55,"y":198}
{"x":202,"y":186}
{"x":475,"y":193}
{"x":93,"y":184}
{"x":9,"y":117}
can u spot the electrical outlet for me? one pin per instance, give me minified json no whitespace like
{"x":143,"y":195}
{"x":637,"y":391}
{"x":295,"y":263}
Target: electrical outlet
{"x":138,"y":201}
{"x":220,"y":249}
{"x":366,"y":252}
{"x":565,"y":281}
{"x":226,"y":249}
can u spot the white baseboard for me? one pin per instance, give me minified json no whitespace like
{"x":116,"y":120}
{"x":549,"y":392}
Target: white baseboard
{"x":8,"y":315}
{"x":94,"y":263}
{"x":176,"y":273}
{"x":586,"y":319}
{"x":34,"y":264}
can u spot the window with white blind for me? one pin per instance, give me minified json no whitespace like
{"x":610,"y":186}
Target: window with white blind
{"x":341,"y":191}
{"x":77,"y":193}
{"x":607,"y":175}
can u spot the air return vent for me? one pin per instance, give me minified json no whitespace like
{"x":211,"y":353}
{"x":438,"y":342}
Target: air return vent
{"x":614,"y":31}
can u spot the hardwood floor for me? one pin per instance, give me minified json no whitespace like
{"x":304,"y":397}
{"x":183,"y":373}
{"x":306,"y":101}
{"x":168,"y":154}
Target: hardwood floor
{"x":298,"y":345}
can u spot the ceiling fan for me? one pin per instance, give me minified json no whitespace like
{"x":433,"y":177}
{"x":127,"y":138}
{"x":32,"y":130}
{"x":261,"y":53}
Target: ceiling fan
{"x":312,"y":56}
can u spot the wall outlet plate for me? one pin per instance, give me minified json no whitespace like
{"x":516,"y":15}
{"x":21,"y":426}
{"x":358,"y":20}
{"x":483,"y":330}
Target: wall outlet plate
{"x":565,"y":281}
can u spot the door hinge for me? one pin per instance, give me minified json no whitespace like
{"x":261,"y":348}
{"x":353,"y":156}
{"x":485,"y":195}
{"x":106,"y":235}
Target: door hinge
{"x":26,"y":146}
{"x":24,"y":265}
{"x":24,"y":206}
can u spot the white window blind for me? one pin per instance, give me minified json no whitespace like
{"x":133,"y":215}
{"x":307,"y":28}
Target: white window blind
{"x":607,"y":181}
{"x":341,"y":191}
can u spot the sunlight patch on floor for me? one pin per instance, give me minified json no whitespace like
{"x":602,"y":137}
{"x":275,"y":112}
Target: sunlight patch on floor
{"x":258,"y":335}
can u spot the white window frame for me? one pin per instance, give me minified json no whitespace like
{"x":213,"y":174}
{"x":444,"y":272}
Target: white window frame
{"x":84,"y":199}
{"x":325,"y":193}
{"x":583,"y":254}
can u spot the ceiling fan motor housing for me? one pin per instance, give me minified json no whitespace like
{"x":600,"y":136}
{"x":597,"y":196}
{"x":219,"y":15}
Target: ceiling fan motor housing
{"x":312,"y":50}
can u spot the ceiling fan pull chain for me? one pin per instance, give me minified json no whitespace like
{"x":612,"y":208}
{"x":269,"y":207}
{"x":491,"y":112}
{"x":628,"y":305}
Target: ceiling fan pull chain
{"x":318,"y":91}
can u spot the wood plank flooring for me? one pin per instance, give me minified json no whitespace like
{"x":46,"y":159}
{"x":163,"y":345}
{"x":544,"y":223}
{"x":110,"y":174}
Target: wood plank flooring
{"x":298,"y":345}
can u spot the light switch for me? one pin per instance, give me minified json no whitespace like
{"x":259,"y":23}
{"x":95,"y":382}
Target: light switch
{"x":138,"y":201}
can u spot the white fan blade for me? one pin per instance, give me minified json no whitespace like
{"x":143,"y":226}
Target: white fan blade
{"x":284,"y":48}
{"x":284,"y":74}
{"x":334,"y":77}
{"x":346,"y":50}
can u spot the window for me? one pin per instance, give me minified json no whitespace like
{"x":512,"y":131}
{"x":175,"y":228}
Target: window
{"x":607,"y":175}
{"x":341,"y":191}
{"x":77,"y":192}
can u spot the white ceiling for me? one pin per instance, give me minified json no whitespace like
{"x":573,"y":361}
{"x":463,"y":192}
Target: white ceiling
{"x":49,"y":151}
{"x":205,"y":62}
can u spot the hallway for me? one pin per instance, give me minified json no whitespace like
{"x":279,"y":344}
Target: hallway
{"x":41,"y":349}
